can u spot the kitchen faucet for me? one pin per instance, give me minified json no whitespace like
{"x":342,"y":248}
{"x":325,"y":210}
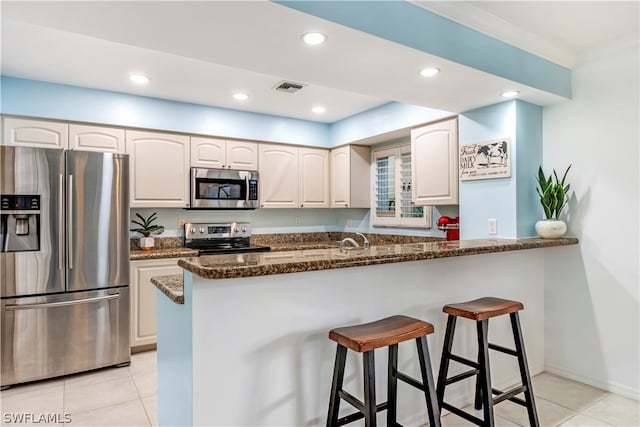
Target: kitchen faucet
{"x":366,"y":243}
{"x":353,"y":243}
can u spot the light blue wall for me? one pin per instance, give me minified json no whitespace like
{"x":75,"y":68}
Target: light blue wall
{"x":528,"y":158}
{"x":64,"y":102}
{"x":415,"y":27}
{"x":380,"y":120}
{"x":175,"y":361}
{"x":490,"y":198}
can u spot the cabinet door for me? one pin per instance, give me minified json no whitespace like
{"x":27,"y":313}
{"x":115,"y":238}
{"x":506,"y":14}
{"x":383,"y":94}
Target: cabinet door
{"x":242,"y":155}
{"x":340,"y":178}
{"x":278,"y":176}
{"x":143,"y":297}
{"x":35,"y":133}
{"x":159,"y":169}
{"x":313,"y":172}
{"x":434,"y":163}
{"x":95,"y":138}
{"x":207,"y":152}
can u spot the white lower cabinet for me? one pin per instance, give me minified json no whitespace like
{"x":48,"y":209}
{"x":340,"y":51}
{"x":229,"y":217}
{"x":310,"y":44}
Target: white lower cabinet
{"x":143,"y":297}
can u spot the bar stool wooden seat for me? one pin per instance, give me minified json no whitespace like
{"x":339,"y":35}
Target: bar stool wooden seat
{"x":481,"y":310}
{"x":365,"y":338}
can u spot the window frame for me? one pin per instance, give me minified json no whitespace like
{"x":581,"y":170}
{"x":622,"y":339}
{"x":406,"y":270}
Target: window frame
{"x":396,"y":150}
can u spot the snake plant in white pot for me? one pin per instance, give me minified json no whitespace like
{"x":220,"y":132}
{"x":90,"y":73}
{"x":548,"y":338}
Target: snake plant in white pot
{"x":147,"y":228}
{"x":553,"y":194}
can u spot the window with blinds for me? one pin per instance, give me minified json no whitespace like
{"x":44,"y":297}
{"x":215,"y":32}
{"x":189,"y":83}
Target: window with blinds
{"x":392,"y":190}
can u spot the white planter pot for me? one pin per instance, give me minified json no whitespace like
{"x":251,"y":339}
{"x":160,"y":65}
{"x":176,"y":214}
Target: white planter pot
{"x":551,"y":228}
{"x":146,"y":243}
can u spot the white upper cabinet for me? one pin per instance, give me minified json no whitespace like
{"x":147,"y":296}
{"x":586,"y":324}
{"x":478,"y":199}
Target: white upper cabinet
{"x":242,"y":155}
{"x":220,"y":153}
{"x":208,"y":152}
{"x":35,"y":133}
{"x":96,"y":138}
{"x":313,"y":177}
{"x":159,"y":169}
{"x":278,"y":176}
{"x":350,"y":177}
{"x":434,"y":161}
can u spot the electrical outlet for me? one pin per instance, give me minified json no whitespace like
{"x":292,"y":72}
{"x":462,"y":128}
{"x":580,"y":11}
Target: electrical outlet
{"x":181,"y":222}
{"x":492,"y":226}
{"x":349,"y":222}
{"x":298,"y":220}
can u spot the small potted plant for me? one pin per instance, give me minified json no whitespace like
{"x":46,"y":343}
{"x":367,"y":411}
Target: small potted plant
{"x":553,"y":194}
{"x":147,"y":228}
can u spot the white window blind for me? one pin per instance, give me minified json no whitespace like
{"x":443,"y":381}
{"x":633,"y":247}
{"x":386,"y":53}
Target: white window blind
{"x":392,"y":190}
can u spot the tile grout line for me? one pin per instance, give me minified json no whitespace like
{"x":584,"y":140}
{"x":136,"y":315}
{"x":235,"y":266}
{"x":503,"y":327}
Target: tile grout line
{"x":146,"y":412}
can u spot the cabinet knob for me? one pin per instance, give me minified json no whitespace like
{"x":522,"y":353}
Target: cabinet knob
{"x":346,"y":205}
{"x":301,"y":206}
{"x":262,"y":206}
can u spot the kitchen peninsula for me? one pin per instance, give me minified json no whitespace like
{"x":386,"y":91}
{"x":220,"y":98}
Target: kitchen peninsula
{"x":248,"y":344}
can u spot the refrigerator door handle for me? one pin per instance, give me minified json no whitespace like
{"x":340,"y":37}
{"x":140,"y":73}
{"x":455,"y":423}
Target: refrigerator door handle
{"x":60,"y":222}
{"x":10,"y":307}
{"x":70,"y":222}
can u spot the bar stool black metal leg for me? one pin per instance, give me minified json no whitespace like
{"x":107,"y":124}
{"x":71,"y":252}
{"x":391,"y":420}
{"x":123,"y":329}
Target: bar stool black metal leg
{"x":485,"y":372}
{"x":444,"y":361}
{"x":369,"y":389}
{"x":524,"y":370}
{"x":433,"y":408}
{"x":477,"y":404}
{"x":392,"y":386}
{"x":336,"y":386}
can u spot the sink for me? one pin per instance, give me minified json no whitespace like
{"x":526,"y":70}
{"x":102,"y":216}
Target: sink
{"x":349,"y":250}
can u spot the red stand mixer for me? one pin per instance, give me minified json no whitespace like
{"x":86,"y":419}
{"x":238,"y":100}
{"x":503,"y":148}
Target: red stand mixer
{"x":451,"y":226}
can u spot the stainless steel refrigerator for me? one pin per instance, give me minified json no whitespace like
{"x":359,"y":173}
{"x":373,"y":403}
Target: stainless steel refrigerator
{"x":64,"y":262}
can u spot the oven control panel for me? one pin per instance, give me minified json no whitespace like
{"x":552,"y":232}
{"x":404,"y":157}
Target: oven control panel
{"x":205,"y":230}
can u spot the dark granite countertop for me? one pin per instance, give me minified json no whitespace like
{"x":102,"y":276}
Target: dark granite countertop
{"x":158,"y":253}
{"x":172,"y":286}
{"x":267,"y":263}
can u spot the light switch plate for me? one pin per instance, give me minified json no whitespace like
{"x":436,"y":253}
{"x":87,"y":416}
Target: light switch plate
{"x":492,"y":226}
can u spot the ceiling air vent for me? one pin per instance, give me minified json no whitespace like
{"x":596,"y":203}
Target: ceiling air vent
{"x":289,"y":87}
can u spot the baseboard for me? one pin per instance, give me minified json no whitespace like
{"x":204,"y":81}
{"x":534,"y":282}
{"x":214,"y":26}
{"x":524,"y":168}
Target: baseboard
{"x":610,"y":386}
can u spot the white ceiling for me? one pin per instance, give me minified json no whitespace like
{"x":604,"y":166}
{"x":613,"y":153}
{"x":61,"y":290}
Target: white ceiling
{"x":202,"y":52}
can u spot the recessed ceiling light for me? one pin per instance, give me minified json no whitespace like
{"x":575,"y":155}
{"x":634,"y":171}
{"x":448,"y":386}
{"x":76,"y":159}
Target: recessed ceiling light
{"x":510,"y":93}
{"x":429,"y":72}
{"x":140,"y":79}
{"x":240,"y":96}
{"x":319,"y":109}
{"x":314,"y":38}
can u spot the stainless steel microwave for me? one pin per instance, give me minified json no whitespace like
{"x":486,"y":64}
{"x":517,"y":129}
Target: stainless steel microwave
{"x":224,"y":189}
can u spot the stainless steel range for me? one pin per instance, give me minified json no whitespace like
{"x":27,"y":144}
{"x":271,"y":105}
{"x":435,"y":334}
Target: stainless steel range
{"x":215,"y":239}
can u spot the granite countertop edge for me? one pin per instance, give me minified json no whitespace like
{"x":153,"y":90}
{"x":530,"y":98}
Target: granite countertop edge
{"x":326,"y":259}
{"x":171,"y":285}
{"x":136,"y":255}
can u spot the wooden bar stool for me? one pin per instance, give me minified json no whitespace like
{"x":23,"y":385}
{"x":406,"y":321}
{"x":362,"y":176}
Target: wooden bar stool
{"x":365,"y":339}
{"x":481,"y":310}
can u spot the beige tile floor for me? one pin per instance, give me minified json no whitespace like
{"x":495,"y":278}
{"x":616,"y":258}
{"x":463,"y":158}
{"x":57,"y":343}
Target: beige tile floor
{"x":128,"y":397}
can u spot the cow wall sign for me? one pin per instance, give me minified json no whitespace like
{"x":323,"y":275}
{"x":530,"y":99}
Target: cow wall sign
{"x":485,"y":160}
